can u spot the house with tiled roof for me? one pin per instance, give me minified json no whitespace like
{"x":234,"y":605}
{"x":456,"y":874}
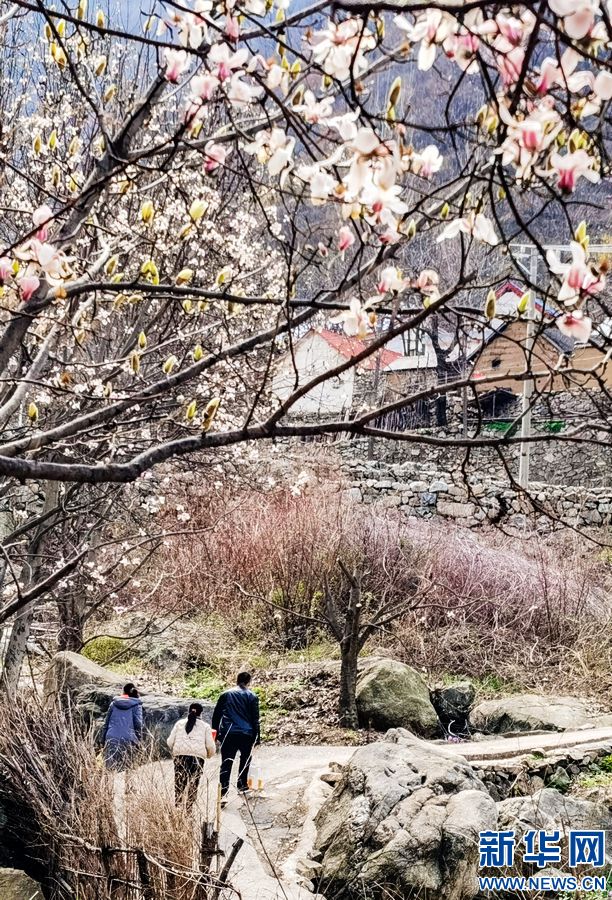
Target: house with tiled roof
{"x":325,"y":349}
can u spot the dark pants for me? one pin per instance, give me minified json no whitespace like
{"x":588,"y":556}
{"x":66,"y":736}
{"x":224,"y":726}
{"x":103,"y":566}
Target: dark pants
{"x":120,"y":755}
{"x":187,"y":774}
{"x":235,"y":744}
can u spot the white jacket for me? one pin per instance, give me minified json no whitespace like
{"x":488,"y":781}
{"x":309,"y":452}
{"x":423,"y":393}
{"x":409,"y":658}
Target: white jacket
{"x":199,"y":742}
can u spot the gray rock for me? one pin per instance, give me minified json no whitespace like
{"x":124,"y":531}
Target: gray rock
{"x":91,"y":703}
{"x":406,"y":817}
{"x":530,"y":712}
{"x":452,"y":704}
{"x":438,"y":487}
{"x":455,"y":510}
{"x":16,"y":885}
{"x":70,"y":671}
{"x":392,"y":695}
{"x":550,"y":810}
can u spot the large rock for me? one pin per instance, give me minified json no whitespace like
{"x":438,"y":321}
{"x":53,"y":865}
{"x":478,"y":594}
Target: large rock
{"x":452,"y":703}
{"x":16,"y":885}
{"x":91,"y":704}
{"x":70,"y":671}
{"x":392,"y":695}
{"x":406,"y":816}
{"x":533,"y":712}
{"x":550,"y":810}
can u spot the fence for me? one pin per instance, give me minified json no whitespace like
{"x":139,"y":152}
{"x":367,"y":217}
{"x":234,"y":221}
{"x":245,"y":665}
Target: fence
{"x":88,"y":872}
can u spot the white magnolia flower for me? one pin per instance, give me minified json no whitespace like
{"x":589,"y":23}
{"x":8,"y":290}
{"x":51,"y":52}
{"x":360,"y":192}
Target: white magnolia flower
{"x":476,"y":224}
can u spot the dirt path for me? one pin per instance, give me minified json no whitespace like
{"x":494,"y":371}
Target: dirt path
{"x":276,"y":823}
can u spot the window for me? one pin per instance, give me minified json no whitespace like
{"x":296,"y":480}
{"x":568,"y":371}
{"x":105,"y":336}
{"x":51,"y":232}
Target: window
{"x":414,"y":345}
{"x":496,"y":363}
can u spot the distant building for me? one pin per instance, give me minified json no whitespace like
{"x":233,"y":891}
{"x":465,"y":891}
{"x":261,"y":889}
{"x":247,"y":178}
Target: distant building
{"x":403,"y":361}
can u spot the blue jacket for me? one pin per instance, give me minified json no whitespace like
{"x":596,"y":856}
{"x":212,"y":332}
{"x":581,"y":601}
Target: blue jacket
{"x":237,"y":710}
{"x":123,"y":721}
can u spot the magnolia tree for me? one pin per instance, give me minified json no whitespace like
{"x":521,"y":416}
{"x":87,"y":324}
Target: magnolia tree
{"x":189,"y":184}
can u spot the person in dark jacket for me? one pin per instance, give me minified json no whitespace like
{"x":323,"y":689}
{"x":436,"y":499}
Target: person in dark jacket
{"x":122,"y":732}
{"x":236,"y":721}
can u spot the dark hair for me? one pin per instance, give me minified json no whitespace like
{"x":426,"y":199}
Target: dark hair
{"x":243,"y":679}
{"x":195,"y":711}
{"x":131,"y":690}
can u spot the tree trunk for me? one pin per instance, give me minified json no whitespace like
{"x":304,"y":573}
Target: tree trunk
{"x":70,"y":635}
{"x":348,"y":684}
{"x":16,"y":650}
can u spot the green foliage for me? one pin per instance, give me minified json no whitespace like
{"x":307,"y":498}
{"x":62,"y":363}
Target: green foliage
{"x":104,"y":650}
{"x":595,"y":780}
{"x":552,"y":427}
{"x":203,"y":683}
{"x":605,"y":763}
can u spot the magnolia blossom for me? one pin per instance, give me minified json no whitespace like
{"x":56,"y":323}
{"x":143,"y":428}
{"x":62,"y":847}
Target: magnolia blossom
{"x":428,"y":283}
{"x":578,"y":277}
{"x":462,"y":49}
{"x":313,"y":110}
{"x":479,"y":226}
{"x":224,"y":61}
{"x":345,"y":125}
{"x":430,"y":29}
{"x":346,"y":238}
{"x":28,"y":285}
{"x":176,"y":63}
{"x":204,"y":86}
{"x":391,"y":281}
{"x":40,"y":218}
{"x":358,"y":321}
{"x":603,"y":85}
{"x":575,"y":325}
{"x":509,"y":60}
{"x":274,"y":149}
{"x":214,"y":156}
{"x":578,"y":16}
{"x":232,"y":28}
{"x":427,"y":161}
{"x":571,"y":167}
{"x":340,"y":47}
{"x":563,"y":72}
{"x":527,"y":138}
{"x":241,"y":93}
{"x":6,"y":270}
{"x":277,"y":77}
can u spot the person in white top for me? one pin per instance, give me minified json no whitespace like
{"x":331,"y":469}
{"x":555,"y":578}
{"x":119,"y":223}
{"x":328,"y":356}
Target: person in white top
{"x":191,"y":743}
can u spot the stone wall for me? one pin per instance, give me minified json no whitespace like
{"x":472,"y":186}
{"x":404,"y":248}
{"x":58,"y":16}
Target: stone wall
{"x":426,"y":489}
{"x":552,"y":462}
{"x":528,"y":774}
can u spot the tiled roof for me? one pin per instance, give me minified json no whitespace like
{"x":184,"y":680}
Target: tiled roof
{"x":351,"y":346}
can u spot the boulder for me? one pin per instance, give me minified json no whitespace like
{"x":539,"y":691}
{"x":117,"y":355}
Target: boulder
{"x":550,"y":810}
{"x":16,"y":885}
{"x":406,"y":818}
{"x":161,"y":711}
{"x":452,"y":704}
{"x":533,"y":712}
{"x":392,"y":695}
{"x":70,"y":671}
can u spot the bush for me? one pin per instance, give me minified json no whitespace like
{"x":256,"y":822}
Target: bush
{"x":105,"y":650}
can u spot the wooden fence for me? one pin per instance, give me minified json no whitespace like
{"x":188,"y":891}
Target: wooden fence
{"x":86,"y":872}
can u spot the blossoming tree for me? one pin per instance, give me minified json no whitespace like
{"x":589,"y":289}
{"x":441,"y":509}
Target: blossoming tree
{"x":186,"y":185}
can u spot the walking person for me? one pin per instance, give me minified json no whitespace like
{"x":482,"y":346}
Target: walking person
{"x":191,"y":743}
{"x":236,"y":721}
{"x":123,"y":730}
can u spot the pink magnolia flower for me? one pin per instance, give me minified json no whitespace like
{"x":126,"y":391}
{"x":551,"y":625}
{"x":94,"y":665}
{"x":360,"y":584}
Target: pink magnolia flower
{"x":232,"y":28}
{"x":390,"y":236}
{"x":241,"y":93}
{"x":6,"y":270}
{"x":176,"y":63}
{"x":427,"y":161}
{"x":204,"y":86}
{"x":578,"y":16}
{"x":563,"y":72}
{"x":358,"y":321}
{"x":462,"y":49}
{"x":578,"y":277}
{"x":340,"y":47}
{"x":428,"y":283}
{"x":431,"y":29}
{"x":224,"y":61}
{"x":476,"y":224}
{"x":391,"y":281}
{"x":603,"y":85}
{"x":313,"y":110}
{"x":40,"y":218}
{"x":510,"y":61}
{"x":571,"y":167}
{"x":28,"y":287}
{"x":346,"y":238}
{"x":214,"y":156}
{"x":575,"y":325}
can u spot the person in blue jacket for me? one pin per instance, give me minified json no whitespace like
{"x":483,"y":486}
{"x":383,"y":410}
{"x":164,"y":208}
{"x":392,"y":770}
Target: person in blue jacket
{"x":236,"y":721}
{"x":123,"y":728}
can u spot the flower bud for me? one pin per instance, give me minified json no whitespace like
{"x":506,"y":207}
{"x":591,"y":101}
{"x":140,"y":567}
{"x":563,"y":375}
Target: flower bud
{"x":111,"y":266}
{"x":491,"y":304}
{"x":395,"y":91}
{"x":445,"y":211}
{"x":197,"y":210}
{"x":187,"y":306}
{"x":37,"y":144}
{"x":33,"y":412}
{"x":210,"y":413}
{"x":135,"y":362}
{"x":198,"y":353}
{"x":169,"y":365}
{"x":184,"y":276}
{"x":142,"y":340}
{"x":147,"y":212}
{"x":100,"y":20}
{"x":191,"y":411}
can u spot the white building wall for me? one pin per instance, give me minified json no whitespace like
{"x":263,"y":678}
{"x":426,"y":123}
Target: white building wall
{"x":313,"y":355}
